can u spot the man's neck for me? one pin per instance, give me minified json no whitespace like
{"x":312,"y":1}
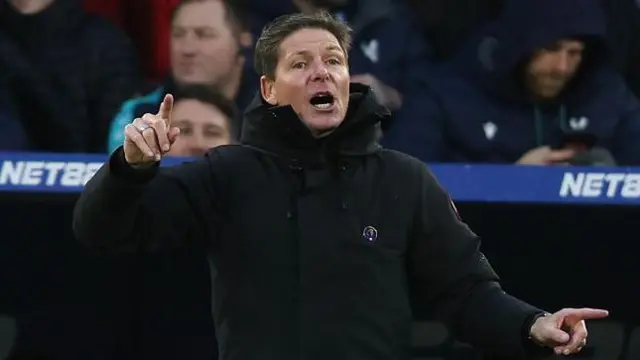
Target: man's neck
{"x":229,"y":86}
{"x":29,"y":7}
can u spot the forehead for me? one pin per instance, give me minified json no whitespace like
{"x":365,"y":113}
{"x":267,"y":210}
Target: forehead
{"x":571,"y":44}
{"x":308,"y":41}
{"x":195,"y":111}
{"x":209,"y":13}
{"x":567,"y":44}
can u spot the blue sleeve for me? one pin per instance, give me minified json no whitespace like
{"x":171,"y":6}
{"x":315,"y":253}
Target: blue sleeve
{"x":115,"y":138}
{"x":626,"y":149}
{"x":418,"y":128}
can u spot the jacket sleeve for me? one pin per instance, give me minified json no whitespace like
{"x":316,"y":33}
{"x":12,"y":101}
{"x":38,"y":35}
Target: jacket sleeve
{"x":125,"y":210}
{"x":453,"y":279}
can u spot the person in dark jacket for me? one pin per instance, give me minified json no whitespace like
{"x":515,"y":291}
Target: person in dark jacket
{"x":68,"y":71}
{"x":319,"y":239}
{"x":447,"y":24}
{"x":525,"y":86}
{"x":623,"y":32}
{"x":13,"y":136}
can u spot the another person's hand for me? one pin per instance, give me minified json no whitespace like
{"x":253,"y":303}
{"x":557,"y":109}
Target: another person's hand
{"x":387,"y":95}
{"x":565,"y":331}
{"x":147,"y":138}
{"x":544,"y":155}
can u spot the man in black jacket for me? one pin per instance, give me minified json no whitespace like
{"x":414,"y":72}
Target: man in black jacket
{"x":319,"y":240}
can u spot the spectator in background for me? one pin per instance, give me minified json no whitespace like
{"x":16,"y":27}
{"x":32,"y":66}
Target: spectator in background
{"x":206,"y":119}
{"x":12,"y":133}
{"x":207,"y":47}
{"x":68,"y":72}
{"x":262,"y":12}
{"x":523,"y":86}
{"x":623,"y":30}
{"x":448,"y":24}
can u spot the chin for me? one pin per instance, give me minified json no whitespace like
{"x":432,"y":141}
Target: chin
{"x":324,"y":123}
{"x":191,"y":79}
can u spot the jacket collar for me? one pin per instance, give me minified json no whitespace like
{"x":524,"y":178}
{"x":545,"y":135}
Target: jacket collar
{"x":279,"y":131}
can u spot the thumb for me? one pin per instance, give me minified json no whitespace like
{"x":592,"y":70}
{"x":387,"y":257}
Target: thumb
{"x":558,"y":337}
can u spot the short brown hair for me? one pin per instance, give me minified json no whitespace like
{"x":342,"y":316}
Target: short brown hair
{"x":210,"y":95}
{"x":268,"y":45}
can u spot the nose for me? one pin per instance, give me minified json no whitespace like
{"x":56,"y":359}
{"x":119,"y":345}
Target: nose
{"x":562,"y":62}
{"x":320,"y":71}
{"x":198,"y":146}
{"x":188,"y":45}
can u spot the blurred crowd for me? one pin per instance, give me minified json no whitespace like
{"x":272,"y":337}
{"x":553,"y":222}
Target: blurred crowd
{"x":538,"y":82}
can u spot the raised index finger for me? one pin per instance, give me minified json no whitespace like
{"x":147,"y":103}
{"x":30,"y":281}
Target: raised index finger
{"x":165,"y":109}
{"x":587,"y":313}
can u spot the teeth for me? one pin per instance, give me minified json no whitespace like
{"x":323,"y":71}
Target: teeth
{"x":322,"y":106}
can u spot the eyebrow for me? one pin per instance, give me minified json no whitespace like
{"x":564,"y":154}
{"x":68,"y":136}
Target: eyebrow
{"x":210,"y":126}
{"x":333,"y":48}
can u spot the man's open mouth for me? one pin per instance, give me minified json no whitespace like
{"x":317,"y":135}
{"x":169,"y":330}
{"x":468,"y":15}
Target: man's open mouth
{"x":322,"y":100}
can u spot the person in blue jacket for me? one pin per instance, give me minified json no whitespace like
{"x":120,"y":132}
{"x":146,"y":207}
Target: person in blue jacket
{"x":525,"y":85}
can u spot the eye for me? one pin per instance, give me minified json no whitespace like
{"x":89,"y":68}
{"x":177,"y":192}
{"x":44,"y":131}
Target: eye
{"x":178,"y":33}
{"x":299,"y":65}
{"x":334,"y":61}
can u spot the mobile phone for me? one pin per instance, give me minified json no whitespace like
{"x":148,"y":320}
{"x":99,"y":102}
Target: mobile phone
{"x":577,"y":140}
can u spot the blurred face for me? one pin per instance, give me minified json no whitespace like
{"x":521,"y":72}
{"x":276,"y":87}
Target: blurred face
{"x":203,"y":47}
{"x":313,"y":77}
{"x":552,"y":68}
{"x":202,"y":126}
{"x":29,"y":7}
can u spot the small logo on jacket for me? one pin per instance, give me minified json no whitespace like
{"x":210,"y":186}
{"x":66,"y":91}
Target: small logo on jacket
{"x":578,"y":123}
{"x":370,"y":233}
{"x":490,"y":130}
{"x":371,"y":50}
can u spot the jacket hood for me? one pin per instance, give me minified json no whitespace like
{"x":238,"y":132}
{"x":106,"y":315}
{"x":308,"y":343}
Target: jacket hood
{"x":496,"y":53}
{"x":279,"y":130}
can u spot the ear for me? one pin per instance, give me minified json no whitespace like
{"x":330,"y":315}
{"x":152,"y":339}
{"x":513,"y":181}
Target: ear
{"x":268,"y":90}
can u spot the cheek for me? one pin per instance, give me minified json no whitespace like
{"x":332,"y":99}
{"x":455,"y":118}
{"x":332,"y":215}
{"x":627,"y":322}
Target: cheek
{"x":178,"y":147}
{"x":216,"y":48}
{"x":574,"y":66}
{"x":289,"y":93}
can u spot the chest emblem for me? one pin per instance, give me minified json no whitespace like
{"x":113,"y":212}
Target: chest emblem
{"x":578,"y":123}
{"x":370,"y":233}
{"x":490,"y":130}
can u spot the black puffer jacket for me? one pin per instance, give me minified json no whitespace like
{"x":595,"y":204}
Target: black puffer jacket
{"x":318,"y":246}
